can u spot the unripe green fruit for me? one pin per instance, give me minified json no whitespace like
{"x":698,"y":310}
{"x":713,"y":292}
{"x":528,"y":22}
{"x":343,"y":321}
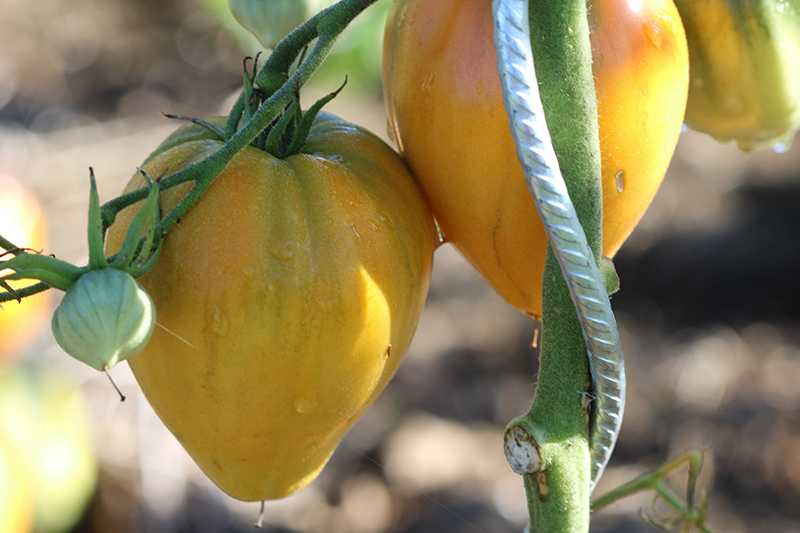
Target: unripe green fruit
{"x":272,"y":20}
{"x":104,"y":318}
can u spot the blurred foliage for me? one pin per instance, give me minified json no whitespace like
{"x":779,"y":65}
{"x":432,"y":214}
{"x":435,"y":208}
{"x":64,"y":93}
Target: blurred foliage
{"x":357,"y":54}
{"x":272,"y":20}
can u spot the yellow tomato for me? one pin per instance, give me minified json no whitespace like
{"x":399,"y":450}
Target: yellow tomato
{"x":285,"y":300}
{"x":22,"y":222}
{"x":446,"y":114}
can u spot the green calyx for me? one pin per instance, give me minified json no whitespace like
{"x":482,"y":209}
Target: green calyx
{"x":270,"y":91}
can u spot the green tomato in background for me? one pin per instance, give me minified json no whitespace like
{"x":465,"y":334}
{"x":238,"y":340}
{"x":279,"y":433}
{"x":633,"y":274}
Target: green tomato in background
{"x":272,"y":20}
{"x":46,"y":421}
{"x":357,"y":52}
{"x":16,"y":490}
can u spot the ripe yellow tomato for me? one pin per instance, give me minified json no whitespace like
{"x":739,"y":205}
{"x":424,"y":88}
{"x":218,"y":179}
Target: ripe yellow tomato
{"x":22,"y":222}
{"x":285,"y":300}
{"x":446,"y":114}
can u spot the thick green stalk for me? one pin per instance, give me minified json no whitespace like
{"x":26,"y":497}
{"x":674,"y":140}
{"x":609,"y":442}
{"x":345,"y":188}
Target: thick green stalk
{"x":563,"y":59}
{"x":558,"y":494}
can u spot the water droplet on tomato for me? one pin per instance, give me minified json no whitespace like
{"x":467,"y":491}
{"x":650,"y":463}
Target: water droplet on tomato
{"x":282,"y":253}
{"x":440,"y":236}
{"x":667,"y":22}
{"x":305,"y":405}
{"x":779,"y":148}
{"x":620,"y":181}
{"x":653,"y":33}
{"x":428,"y":83}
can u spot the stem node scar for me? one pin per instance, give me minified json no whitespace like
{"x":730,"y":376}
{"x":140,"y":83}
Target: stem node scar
{"x":522,"y":451}
{"x":542,"y":484}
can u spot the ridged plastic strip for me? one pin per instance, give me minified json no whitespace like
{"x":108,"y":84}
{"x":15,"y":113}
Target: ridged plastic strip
{"x":543,"y":175}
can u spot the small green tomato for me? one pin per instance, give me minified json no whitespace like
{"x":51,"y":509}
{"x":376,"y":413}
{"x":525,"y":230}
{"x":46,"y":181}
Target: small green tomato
{"x":104,"y":318}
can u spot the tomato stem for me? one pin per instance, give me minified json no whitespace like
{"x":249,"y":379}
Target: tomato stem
{"x":271,"y":79}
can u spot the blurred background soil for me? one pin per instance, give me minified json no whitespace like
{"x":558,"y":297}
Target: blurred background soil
{"x":708,"y":307}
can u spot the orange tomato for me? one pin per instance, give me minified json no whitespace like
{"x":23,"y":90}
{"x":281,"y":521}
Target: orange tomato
{"x":22,"y":222}
{"x":446,"y":114}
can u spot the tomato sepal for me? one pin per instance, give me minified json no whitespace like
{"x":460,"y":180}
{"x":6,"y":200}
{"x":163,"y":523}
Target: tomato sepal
{"x":609,"y":273}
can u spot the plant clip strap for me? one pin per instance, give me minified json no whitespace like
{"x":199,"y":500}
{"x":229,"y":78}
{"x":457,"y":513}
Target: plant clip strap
{"x":564,"y":231}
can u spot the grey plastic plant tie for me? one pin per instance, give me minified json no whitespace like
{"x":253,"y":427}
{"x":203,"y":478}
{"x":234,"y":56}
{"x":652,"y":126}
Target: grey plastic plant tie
{"x":543,"y":176}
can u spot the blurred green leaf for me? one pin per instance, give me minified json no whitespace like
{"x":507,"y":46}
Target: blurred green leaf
{"x":357,"y":54}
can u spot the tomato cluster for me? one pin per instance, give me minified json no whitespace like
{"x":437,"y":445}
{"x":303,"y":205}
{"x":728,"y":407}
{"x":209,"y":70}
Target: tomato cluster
{"x":288,"y":294}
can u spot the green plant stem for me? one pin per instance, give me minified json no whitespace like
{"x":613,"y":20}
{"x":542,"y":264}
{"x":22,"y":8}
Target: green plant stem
{"x":558,"y":495}
{"x":36,"y":288}
{"x":688,"y":513}
{"x":325,"y":27}
{"x":24,"y":292}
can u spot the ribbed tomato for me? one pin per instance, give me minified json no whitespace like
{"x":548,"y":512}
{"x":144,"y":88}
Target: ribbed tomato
{"x":22,"y":222}
{"x":446,"y":114}
{"x":285,"y":300}
{"x":744,"y":58}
